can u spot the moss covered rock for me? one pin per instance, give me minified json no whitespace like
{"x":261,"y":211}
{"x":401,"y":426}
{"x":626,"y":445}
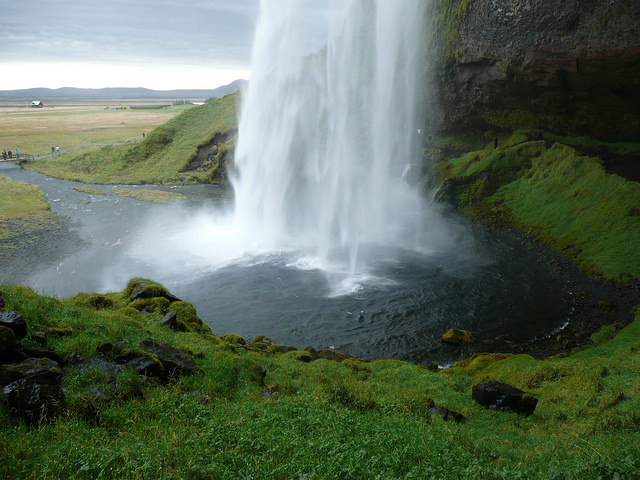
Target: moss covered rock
{"x":457,"y":336}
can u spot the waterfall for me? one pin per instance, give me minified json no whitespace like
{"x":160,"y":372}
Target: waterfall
{"x":326,"y":140}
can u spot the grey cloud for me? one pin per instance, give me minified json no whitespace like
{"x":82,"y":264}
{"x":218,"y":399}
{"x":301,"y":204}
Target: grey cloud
{"x":186,"y":31}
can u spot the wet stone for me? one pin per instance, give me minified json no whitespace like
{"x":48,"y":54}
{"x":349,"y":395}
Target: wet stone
{"x":15,"y":322}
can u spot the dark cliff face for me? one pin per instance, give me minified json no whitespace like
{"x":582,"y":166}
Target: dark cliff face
{"x":571,"y":67}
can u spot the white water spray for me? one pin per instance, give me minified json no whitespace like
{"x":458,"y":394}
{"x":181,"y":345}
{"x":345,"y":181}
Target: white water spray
{"x":325,"y":140}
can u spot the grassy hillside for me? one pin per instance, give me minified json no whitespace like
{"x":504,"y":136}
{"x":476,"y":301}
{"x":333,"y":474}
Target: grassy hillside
{"x":255,"y":412}
{"x":563,"y":198}
{"x":165,"y":155}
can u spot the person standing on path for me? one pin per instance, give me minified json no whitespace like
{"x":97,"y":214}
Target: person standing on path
{"x":57,"y":149}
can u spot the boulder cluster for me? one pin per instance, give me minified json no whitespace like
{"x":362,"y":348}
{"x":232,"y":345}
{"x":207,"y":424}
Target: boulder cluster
{"x":31,"y":378}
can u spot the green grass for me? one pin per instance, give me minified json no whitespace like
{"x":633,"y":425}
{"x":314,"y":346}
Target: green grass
{"x":20,"y":198}
{"x":22,"y":207}
{"x":158,"y":196}
{"x":563,"y":198}
{"x":162,"y":157}
{"x":34,"y":131}
{"x":322,"y":419}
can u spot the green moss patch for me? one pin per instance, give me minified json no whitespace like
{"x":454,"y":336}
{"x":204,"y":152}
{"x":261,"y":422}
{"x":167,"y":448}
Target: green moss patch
{"x":563,"y":198}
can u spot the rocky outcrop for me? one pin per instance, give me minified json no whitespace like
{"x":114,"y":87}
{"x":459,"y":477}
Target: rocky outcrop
{"x":32,"y":389}
{"x":15,"y":322}
{"x":571,"y":67}
{"x":457,"y":336}
{"x":502,"y":396}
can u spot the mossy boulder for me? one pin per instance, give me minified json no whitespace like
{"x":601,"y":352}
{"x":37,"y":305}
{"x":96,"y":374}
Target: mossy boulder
{"x":457,"y":336}
{"x":142,"y":288}
{"x":158,"y":305}
{"x":93,"y":300}
{"x":187,"y":316}
{"x":480,"y":361}
{"x":233,"y":339}
{"x":7,"y":342}
{"x":15,"y":322}
{"x":142,"y":362}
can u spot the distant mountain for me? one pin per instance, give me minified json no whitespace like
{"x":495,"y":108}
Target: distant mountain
{"x":70,"y":93}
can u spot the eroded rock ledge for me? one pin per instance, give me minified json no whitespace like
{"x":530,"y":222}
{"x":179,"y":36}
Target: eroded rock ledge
{"x":572,"y":67}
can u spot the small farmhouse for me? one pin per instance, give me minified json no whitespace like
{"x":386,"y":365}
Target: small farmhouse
{"x":37,"y":104}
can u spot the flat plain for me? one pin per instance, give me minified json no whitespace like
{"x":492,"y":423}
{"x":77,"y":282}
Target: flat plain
{"x":73,"y":124}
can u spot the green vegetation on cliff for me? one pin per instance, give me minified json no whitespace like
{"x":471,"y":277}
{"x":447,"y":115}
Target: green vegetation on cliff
{"x":561,"y":197}
{"x":255,"y":413}
{"x":170,"y":153}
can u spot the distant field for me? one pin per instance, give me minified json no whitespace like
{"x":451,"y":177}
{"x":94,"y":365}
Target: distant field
{"x":36,"y":130}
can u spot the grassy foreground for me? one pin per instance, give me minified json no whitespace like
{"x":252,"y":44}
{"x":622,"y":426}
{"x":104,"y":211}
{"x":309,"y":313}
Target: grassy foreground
{"x":254,"y":412}
{"x":165,"y":155}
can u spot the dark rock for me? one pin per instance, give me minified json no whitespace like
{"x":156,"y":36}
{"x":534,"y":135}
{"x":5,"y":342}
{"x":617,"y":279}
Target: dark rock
{"x":43,"y":353}
{"x":31,"y":367}
{"x":34,"y":390}
{"x":39,"y":337}
{"x":34,"y":398}
{"x":234,"y":339}
{"x":432,"y":367}
{"x":174,"y":361}
{"x":171,"y":320}
{"x":502,"y":396}
{"x":110,"y":368}
{"x":104,"y":348}
{"x":15,"y":322}
{"x":446,"y":414}
{"x":94,"y":397}
{"x":147,"y":365}
{"x":7,"y":342}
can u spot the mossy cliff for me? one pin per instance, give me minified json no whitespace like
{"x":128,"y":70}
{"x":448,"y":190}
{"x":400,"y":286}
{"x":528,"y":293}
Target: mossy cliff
{"x":570,"y":67}
{"x":555,"y":193}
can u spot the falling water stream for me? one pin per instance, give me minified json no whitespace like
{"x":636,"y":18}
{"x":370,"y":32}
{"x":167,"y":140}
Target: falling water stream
{"x":325,"y":242}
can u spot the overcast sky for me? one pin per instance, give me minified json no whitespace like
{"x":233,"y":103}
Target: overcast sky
{"x":158,"y":44}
